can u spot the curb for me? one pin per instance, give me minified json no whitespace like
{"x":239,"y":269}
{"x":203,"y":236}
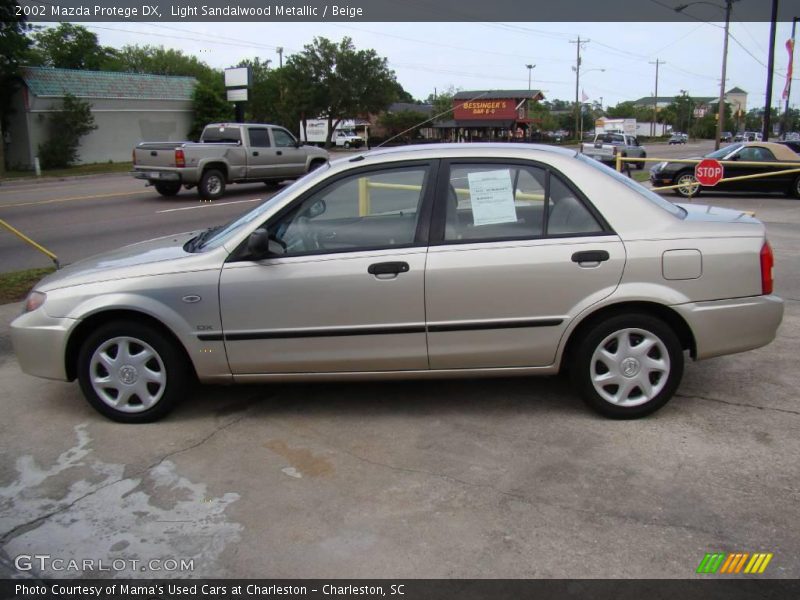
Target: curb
{"x":22,"y":181}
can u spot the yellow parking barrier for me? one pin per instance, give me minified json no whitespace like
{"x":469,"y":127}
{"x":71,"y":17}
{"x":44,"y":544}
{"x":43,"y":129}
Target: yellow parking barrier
{"x":28,"y":240}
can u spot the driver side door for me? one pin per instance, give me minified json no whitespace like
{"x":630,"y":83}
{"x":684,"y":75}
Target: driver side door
{"x":347,"y":292}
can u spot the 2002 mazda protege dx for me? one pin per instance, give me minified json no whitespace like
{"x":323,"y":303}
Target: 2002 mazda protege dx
{"x":471,"y":259}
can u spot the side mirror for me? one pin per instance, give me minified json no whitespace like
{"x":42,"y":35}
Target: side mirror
{"x":260,"y":244}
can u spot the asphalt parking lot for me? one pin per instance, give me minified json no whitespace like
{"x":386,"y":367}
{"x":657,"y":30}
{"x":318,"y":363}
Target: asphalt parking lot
{"x":484,"y":479}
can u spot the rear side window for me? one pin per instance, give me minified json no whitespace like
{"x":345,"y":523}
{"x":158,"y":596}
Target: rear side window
{"x":221,"y":135}
{"x":492,"y":202}
{"x":259,"y":138}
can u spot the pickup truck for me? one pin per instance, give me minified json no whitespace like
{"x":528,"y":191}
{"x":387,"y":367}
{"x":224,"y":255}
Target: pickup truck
{"x":226,"y":153}
{"x":607,"y":146}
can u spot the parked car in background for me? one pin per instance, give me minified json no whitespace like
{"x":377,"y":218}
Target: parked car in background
{"x":607,"y":146}
{"x":226,"y":153}
{"x":762,"y":153}
{"x":726,"y":136}
{"x":428,"y":261}
{"x":677,"y":138}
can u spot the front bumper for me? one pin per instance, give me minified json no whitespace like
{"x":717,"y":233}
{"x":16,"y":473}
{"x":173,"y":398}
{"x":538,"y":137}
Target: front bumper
{"x":40,"y":343}
{"x":729,"y":326}
{"x":657,"y":180}
{"x":170,"y":176}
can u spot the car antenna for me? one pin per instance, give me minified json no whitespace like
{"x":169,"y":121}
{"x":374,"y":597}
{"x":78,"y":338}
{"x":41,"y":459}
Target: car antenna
{"x":444,"y":112}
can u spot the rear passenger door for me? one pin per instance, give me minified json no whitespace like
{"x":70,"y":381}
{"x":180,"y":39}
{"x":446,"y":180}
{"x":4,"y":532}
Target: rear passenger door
{"x":516,"y":253}
{"x":260,"y":159}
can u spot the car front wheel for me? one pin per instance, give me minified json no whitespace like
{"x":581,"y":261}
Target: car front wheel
{"x":132,"y":372}
{"x":628,"y":366}
{"x":795,"y":191}
{"x":688,"y":185}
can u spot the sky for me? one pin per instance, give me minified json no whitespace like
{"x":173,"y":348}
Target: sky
{"x":468,"y":56}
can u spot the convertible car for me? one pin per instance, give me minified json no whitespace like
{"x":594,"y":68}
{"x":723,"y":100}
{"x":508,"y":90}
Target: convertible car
{"x":766,"y":154}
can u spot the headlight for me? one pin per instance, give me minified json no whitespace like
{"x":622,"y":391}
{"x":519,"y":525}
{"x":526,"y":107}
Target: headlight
{"x":34,"y":301}
{"x":658,"y":166}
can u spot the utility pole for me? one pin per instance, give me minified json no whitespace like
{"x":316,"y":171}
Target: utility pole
{"x":654,"y":126}
{"x":577,"y":69}
{"x":530,"y":68}
{"x":279,"y":50}
{"x":721,"y":105}
{"x":788,"y":89}
{"x":770,"y":66}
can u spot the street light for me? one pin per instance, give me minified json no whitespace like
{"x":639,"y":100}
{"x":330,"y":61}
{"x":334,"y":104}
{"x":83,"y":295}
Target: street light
{"x":530,"y":68}
{"x":721,"y":105}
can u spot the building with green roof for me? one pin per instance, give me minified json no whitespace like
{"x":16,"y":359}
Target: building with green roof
{"x":128,"y":108}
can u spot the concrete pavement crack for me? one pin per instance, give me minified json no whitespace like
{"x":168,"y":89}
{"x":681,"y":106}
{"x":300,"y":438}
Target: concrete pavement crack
{"x":23,"y":527}
{"x":741,"y":404}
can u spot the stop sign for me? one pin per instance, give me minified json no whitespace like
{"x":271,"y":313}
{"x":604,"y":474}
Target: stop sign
{"x":708,"y":172}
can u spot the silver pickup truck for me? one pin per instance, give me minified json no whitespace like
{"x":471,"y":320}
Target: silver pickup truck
{"x":607,"y":146}
{"x":226,"y":153}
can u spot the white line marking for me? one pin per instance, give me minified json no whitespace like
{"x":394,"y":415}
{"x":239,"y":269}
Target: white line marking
{"x":208,"y":205}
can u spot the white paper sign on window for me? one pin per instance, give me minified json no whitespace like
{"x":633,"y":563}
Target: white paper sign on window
{"x":492,"y":197}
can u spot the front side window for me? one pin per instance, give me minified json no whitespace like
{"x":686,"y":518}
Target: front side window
{"x":754,"y":153}
{"x":283,"y":138}
{"x":493,"y":202}
{"x":370,"y":210}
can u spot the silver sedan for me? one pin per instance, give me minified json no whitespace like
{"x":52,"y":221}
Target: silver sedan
{"x":431,"y":261}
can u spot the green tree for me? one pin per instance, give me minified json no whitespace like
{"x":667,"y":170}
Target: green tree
{"x":70,"y":46}
{"x":443,"y":104}
{"x":355,"y":82}
{"x":14,"y":45}
{"x":405,"y":122}
{"x":210,"y":105}
{"x":66,"y":128}
{"x":162,"y":61}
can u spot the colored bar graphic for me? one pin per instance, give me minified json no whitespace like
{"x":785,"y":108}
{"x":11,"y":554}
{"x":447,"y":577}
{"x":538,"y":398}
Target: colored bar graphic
{"x":734,"y":562}
{"x":711,"y":562}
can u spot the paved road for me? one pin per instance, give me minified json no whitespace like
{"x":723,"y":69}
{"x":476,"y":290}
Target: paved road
{"x":79,"y":217}
{"x":493,"y":478}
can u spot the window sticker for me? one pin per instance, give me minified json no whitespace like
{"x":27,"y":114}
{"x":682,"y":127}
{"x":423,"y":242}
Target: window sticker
{"x":492,"y":197}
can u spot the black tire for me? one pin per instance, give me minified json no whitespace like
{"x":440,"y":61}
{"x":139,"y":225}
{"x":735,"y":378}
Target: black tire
{"x":212,"y":185}
{"x":168,"y":188}
{"x":686,"y":176}
{"x":639,"y":164}
{"x":665,"y":357}
{"x":795,"y":191}
{"x":131,"y":377}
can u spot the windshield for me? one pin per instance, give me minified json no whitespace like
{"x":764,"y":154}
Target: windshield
{"x":636,"y":187}
{"x":222,"y":234}
{"x":723,"y":152}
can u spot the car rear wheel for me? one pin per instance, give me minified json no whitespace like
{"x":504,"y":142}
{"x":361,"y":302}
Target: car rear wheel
{"x":132,"y":372}
{"x":212,"y":185}
{"x":688,"y":185}
{"x":628,"y":366}
{"x":168,"y":189}
{"x":795,"y":191}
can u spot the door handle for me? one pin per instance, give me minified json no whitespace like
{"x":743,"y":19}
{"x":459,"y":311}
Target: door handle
{"x":255,"y":153}
{"x":590,"y":256}
{"x":388,"y":268}
{"x":279,"y":153}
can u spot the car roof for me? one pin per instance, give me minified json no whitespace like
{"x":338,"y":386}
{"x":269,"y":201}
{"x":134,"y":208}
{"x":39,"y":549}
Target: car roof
{"x":781,"y":152}
{"x":463,"y":149}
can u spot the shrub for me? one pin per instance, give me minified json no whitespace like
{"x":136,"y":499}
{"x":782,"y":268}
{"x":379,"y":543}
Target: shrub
{"x":65,"y":130}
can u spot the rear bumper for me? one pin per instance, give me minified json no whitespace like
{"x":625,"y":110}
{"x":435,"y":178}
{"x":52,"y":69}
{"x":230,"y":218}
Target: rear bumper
{"x":169,"y":176}
{"x":729,"y":326}
{"x":40,"y":343}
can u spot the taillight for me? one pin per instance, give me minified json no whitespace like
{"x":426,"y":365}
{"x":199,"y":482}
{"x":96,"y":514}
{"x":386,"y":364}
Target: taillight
{"x":767,"y":262}
{"x":180,"y":159}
